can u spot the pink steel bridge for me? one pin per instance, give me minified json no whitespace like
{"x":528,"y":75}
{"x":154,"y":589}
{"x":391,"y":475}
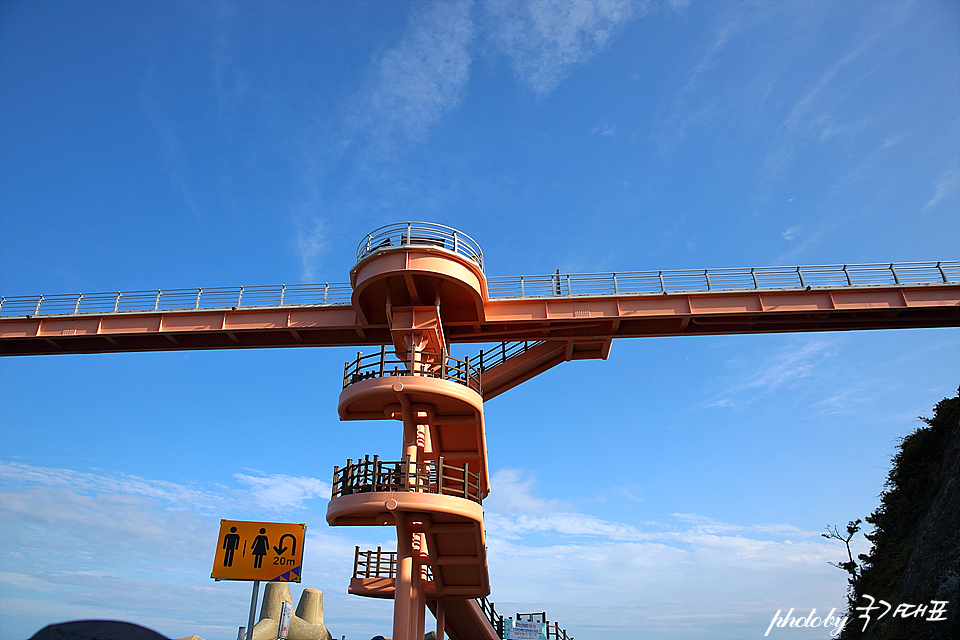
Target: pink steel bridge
{"x":416,"y":289}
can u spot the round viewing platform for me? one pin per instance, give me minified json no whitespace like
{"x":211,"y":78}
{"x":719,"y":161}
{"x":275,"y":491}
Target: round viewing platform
{"x":419,"y":264}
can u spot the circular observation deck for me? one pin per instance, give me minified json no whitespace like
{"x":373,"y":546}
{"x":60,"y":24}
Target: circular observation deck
{"x":420,"y":234}
{"x":412,"y":264}
{"x":438,"y":499}
{"x":373,"y":382}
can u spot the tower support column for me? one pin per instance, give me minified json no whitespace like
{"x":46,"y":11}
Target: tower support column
{"x":441,"y":618}
{"x":408,"y":592}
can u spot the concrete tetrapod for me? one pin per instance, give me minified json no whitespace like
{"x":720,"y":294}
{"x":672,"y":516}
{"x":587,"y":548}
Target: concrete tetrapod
{"x":305,"y":624}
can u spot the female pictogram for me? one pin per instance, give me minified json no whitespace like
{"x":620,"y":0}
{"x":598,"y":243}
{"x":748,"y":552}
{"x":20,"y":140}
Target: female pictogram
{"x":231,"y":542}
{"x":260,"y":547}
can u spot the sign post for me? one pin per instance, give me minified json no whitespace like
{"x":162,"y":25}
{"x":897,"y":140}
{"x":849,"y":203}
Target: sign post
{"x":253,"y":608}
{"x":271,"y":551}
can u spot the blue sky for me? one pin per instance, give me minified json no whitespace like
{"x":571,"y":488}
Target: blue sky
{"x":677,"y":489}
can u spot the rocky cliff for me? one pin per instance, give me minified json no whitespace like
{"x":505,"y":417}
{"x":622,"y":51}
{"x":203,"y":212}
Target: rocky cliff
{"x":915,"y":557}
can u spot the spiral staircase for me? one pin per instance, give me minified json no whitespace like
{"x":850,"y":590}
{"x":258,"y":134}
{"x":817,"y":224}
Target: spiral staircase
{"x":417,"y":279}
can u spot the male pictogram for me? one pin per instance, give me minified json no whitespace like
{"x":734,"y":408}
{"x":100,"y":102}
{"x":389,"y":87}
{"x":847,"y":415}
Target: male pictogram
{"x":260,"y":547}
{"x":231,"y":542}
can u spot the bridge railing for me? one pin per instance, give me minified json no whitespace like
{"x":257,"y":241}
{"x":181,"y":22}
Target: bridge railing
{"x":499,"y":287}
{"x":431,"y":476}
{"x":179,"y":299}
{"x":420,"y":234}
{"x":755,"y":278}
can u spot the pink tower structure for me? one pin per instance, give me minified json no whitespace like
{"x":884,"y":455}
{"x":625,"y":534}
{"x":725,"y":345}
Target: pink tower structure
{"x":415,"y":279}
{"x":416,"y":288}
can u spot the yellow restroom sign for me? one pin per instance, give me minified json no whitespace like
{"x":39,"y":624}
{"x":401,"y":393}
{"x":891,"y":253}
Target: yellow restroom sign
{"x":271,"y":551}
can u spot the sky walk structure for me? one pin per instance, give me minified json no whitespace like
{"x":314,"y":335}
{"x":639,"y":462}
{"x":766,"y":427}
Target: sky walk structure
{"x":416,"y":289}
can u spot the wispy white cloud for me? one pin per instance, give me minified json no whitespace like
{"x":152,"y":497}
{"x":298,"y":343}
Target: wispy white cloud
{"x":605,"y":129}
{"x":405,"y":93}
{"x":103,"y":544}
{"x":784,"y":368}
{"x":702,"y":525}
{"x":792,"y":232}
{"x":789,"y":366}
{"x":659,"y":572}
{"x":310,"y":245}
{"x":687,"y":107}
{"x":546,"y":38}
{"x":514,"y":510}
{"x":172,"y":155}
{"x":815,"y":115}
{"x":169,"y":493}
{"x":93,"y":537}
{"x":271,"y":491}
{"x":947,"y":184}
{"x":414,"y":84}
{"x":229,"y":80}
{"x":284,"y":492}
{"x":511,"y":492}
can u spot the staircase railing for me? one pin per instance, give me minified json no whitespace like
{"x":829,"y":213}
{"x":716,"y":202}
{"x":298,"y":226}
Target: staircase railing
{"x":554,"y":631}
{"x":431,"y":476}
{"x":427,"y":364}
{"x":495,"y":619}
{"x":498,"y":355}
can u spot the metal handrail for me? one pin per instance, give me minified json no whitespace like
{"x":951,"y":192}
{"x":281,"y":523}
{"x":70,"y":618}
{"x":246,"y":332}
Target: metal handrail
{"x":431,"y":365}
{"x":272,"y":296}
{"x":430,"y":476}
{"x":739,"y":279}
{"x":500,"y":287}
{"x":490,"y":612}
{"x":498,"y":355}
{"x":554,"y":631}
{"x":420,"y":234}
